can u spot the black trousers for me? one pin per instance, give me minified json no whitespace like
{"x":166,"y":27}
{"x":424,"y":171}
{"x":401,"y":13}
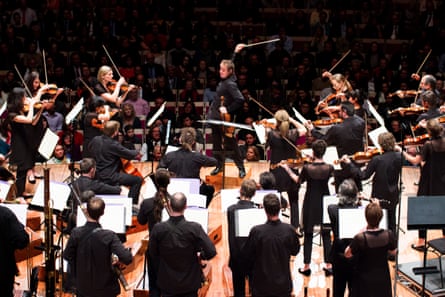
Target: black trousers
{"x":224,"y":145}
{"x":135,"y":184}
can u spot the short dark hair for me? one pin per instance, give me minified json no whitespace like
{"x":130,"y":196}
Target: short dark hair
{"x":178,"y":202}
{"x":86,"y":164}
{"x":267,"y":180}
{"x":95,"y":208}
{"x":431,"y":98}
{"x":319,"y":148}
{"x":248,"y":188}
{"x":86,"y":195}
{"x":348,"y":107}
{"x":271,"y":204}
{"x":373,"y":214}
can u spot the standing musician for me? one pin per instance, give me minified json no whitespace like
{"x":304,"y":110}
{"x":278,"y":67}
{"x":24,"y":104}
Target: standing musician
{"x":427,"y":83}
{"x":430,"y":101}
{"x":317,"y":175}
{"x":12,"y":237}
{"x":25,"y":123}
{"x":110,"y":90}
{"x":186,"y":163}
{"x":89,"y":252}
{"x":432,"y":173}
{"x":336,"y":93}
{"x":150,"y":213}
{"x":385,"y":169}
{"x":278,"y":141}
{"x":346,"y":136}
{"x":108,"y":153}
{"x":233,"y":101}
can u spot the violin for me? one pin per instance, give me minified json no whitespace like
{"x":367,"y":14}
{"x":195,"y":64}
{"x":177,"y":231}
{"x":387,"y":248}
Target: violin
{"x":228,"y":130}
{"x":37,"y":105}
{"x":404,"y":93}
{"x":325,"y":102}
{"x":112,"y":86}
{"x":363,"y":157}
{"x":417,"y":140}
{"x":298,"y":162}
{"x":266,"y":124}
{"x":51,"y":89}
{"x":407,"y":111}
{"x":321,"y":123}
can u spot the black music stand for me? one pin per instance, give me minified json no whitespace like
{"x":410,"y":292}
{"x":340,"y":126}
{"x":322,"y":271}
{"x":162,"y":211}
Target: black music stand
{"x":425,"y":212}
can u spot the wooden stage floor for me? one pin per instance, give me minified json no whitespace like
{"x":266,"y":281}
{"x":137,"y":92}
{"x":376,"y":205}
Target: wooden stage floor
{"x":317,"y":284}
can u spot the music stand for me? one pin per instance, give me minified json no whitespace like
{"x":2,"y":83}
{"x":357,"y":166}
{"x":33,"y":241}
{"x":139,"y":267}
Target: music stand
{"x":425,"y":212}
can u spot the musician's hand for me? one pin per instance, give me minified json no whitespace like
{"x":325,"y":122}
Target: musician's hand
{"x":442,"y":108}
{"x":284,"y":165}
{"x":59,"y":91}
{"x":138,"y":156}
{"x":345,"y":159}
{"x":415,"y":76}
{"x":309,"y":126}
{"x":422,"y":123}
{"x":121,"y":81}
{"x":397,"y":148}
{"x":239,"y":47}
{"x":223,"y":109}
{"x":326,"y":74}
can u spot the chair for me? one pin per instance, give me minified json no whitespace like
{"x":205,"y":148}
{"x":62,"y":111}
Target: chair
{"x":438,"y":246}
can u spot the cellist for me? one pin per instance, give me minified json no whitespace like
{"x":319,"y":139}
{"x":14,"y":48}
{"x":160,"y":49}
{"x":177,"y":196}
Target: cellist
{"x":232,"y":102}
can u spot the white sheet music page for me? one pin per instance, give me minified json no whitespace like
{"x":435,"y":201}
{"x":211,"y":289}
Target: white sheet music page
{"x":246,"y":219}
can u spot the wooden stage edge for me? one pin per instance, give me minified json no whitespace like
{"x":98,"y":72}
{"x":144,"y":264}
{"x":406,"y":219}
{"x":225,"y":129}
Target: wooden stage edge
{"x":317,"y":284}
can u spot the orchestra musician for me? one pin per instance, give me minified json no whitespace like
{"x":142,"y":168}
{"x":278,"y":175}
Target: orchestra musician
{"x":174,"y":246}
{"x":24,"y":137}
{"x":109,"y":90}
{"x":89,"y":251}
{"x":186,"y":163}
{"x":432,"y":172}
{"x":150,"y":212}
{"x":317,"y":175}
{"x":108,"y":153}
{"x":233,"y":101}
{"x":427,"y":83}
{"x":93,"y":123}
{"x":385,"y":169}
{"x":336,"y":93}
{"x":236,"y":243}
{"x":430,"y":101}
{"x":346,"y":136}
{"x":12,"y":237}
{"x":279,"y":141}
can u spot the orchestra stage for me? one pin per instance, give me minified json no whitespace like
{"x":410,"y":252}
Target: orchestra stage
{"x":317,"y":284}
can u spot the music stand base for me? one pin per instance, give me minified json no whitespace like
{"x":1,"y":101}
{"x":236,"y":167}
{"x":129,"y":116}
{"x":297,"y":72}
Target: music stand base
{"x":425,"y":270}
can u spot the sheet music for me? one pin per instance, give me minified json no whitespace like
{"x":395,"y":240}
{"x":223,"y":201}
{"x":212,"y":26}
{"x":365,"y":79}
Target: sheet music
{"x":193,"y":214}
{"x":375,"y":114}
{"x":156,"y":115}
{"x":259,"y":195}
{"x":299,"y":116}
{"x":48,"y":144}
{"x":331,"y":156}
{"x":58,"y":193}
{"x":150,"y":188}
{"x":352,"y":221}
{"x":4,"y":189}
{"x":246,"y":219}
{"x":125,"y":201}
{"x":20,"y":211}
{"x":74,"y":111}
{"x":184,"y":185}
{"x":113,"y":218}
{"x":171,"y":148}
{"x":374,"y":135}
{"x":328,"y":200}
{"x":228,"y":197}
{"x":3,"y":108}
{"x":196,"y":200}
{"x":260,"y":131}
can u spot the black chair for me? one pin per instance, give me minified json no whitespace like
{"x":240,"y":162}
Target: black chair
{"x":438,"y":246}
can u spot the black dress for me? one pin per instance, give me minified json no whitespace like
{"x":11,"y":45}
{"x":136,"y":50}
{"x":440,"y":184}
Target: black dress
{"x":372,"y":278}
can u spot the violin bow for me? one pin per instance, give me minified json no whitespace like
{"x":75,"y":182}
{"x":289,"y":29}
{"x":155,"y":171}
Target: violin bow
{"x":418,"y":70}
{"x":23,"y":81}
{"x":339,"y":61}
{"x":86,"y":86}
{"x":111,"y":60}
{"x":285,"y":138}
{"x":44,"y":67}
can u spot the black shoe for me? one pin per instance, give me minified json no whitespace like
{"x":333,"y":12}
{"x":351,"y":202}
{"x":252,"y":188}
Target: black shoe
{"x":300,"y":233}
{"x":419,"y":248}
{"x":327,"y":271}
{"x":242,"y":172}
{"x":306,"y":272}
{"x":216,"y":171}
{"x":391,"y":258}
{"x":31,"y":180}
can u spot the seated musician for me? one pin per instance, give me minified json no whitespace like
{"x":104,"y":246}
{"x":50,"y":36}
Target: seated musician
{"x":109,"y":154}
{"x":186,"y":163}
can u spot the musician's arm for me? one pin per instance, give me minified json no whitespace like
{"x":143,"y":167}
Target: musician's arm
{"x":238,"y":48}
{"x":118,"y":248}
{"x":300,"y":127}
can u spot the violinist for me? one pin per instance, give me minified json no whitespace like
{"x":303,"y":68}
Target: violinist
{"x":432,"y":161}
{"x":233,"y":101}
{"x":346,"y":136}
{"x":430,"y":101}
{"x":24,"y":137}
{"x":109,"y":90}
{"x":385,"y":171}
{"x":333,"y":95}
{"x":427,"y":83}
{"x":278,"y":142}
